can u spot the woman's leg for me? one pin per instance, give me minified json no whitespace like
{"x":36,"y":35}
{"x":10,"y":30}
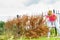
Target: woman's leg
{"x":49,"y":25}
{"x":57,"y":29}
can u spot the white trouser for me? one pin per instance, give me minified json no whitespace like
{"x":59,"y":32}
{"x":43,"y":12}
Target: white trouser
{"x":56,"y":24}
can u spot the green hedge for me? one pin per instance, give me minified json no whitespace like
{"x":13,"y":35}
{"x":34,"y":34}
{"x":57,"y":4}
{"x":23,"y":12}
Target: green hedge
{"x":1,"y":27}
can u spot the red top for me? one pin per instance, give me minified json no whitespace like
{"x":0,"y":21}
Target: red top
{"x":52,"y":17}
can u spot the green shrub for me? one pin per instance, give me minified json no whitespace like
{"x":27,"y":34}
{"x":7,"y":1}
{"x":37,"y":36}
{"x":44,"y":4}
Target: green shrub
{"x":1,"y":27}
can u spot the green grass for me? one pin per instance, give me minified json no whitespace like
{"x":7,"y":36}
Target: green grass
{"x":4,"y":37}
{"x":43,"y":38}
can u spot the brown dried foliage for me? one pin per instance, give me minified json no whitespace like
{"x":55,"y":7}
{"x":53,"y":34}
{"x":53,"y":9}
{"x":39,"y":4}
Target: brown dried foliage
{"x":36,"y":27}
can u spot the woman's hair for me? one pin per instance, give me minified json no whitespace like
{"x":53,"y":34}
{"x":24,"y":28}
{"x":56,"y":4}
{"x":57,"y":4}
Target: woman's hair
{"x":49,"y":12}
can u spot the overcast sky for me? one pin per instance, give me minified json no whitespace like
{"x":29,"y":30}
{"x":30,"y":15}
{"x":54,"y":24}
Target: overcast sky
{"x":14,"y":7}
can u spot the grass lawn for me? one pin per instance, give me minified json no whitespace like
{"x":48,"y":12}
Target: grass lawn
{"x":44,"y":38}
{"x":4,"y":37}
{"x":41,"y":38}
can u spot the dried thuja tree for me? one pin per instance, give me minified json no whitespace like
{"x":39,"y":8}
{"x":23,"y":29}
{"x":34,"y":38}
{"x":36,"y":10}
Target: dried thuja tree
{"x":28,"y":26}
{"x":17,"y":25}
{"x":38,"y":28}
{"x":13,"y":26}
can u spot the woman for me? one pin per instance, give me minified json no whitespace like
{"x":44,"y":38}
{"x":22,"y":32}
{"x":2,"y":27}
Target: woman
{"x":52,"y":22}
